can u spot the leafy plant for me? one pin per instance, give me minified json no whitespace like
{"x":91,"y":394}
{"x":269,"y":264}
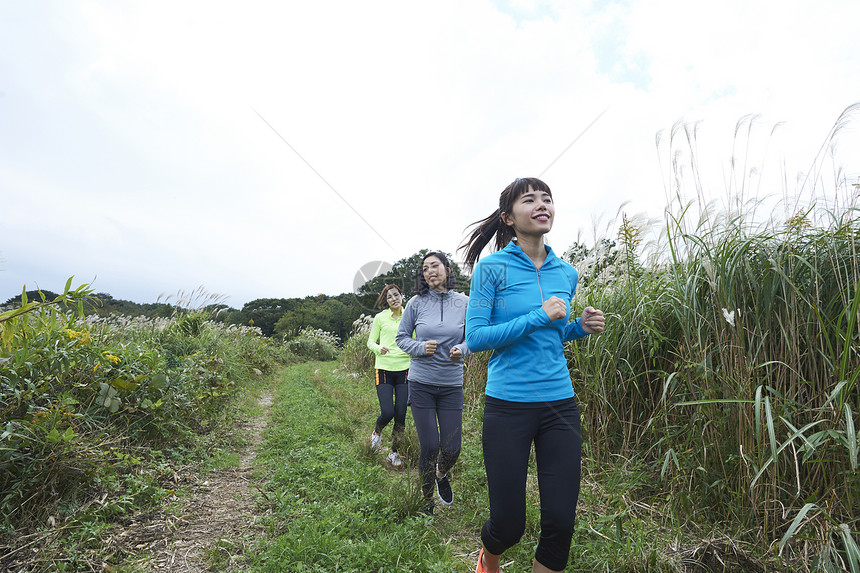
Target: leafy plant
{"x":313,"y":344}
{"x":84,"y":394}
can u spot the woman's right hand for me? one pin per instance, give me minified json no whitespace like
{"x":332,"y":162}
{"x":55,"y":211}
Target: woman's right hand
{"x":555,"y":308}
{"x":430,"y":347}
{"x":383,"y":350}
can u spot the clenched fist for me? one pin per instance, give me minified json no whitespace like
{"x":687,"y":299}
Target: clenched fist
{"x":593,"y":321}
{"x":555,"y":308}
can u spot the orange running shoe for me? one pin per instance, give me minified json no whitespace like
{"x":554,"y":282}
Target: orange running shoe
{"x":480,"y":567}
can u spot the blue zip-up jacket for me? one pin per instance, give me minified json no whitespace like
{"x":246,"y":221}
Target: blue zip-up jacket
{"x":505,"y":316}
{"x":440,"y":317}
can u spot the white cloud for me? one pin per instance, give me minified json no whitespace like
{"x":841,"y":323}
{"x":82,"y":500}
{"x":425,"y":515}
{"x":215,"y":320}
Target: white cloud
{"x":134,"y":145}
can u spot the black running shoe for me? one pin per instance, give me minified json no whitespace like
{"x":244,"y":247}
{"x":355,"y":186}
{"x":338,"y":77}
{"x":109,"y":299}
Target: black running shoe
{"x":443,"y":486}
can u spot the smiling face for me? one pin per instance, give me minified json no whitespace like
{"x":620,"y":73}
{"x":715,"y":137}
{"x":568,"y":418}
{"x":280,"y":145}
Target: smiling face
{"x":435,"y":273}
{"x":394,"y":298}
{"x":532,"y":213}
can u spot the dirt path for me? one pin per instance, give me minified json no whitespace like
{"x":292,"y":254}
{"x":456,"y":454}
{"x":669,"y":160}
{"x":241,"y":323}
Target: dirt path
{"x":215,"y":525}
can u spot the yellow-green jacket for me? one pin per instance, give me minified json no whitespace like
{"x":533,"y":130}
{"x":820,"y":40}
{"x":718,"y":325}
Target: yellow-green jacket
{"x":382,"y":333}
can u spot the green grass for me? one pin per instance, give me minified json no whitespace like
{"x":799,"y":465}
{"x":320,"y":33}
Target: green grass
{"x":337,"y":507}
{"x":222,"y":460}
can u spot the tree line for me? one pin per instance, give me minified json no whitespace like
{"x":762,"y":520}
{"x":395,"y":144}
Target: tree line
{"x":278,"y":317}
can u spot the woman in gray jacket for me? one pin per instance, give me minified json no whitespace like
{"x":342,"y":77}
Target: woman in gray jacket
{"x":437,"y":317}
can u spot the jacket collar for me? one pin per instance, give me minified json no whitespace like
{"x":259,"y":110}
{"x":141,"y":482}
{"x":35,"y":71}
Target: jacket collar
{"x":513,"y":248}
{"x":435,"y":294}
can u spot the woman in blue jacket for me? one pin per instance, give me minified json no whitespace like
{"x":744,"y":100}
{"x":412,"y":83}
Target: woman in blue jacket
{"x":437,"y":316}
{"x":519,"y":307}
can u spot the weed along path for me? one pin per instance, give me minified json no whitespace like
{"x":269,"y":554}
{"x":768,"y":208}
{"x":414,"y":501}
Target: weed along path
{"x":305,"y":493}
{"x":336,"y":505}
{"x":299,"y":489}
{"x":215,"y":526}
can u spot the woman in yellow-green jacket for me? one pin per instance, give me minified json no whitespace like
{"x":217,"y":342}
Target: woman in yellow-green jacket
{"x":391,"y":365}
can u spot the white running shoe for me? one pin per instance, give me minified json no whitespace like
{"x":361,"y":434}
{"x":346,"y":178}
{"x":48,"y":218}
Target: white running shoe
{"x":375,"y":441}
{"x":394,"y":459}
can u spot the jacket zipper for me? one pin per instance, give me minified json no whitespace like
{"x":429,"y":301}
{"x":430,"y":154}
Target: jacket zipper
{"x":537,"y":271}
{"x":540,"y":288}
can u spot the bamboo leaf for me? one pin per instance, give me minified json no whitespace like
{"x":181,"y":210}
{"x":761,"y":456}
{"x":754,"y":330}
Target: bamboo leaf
{"x":810,"y":443}
{"x":758,"y":415}
{"x":770,"y":429}
{"x":795,"y":525}
{"x":666,"y":386}
{"x":795,"y":435}
{"x":670,"y":456}
{"x":849,"y":330}
{"x":851,"y":436}
{"x":852,"y":552}
{"x":837,"y":391}
{"x":23,"y":309}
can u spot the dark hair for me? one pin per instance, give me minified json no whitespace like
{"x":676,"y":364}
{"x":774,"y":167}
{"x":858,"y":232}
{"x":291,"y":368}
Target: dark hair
{"x":493,"y":226}
{"x":383,"y":296}
{"x":421,"y":286}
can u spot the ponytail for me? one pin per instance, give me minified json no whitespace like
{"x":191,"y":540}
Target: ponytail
{"x":493,"y":227}
{"x":483,"y":233}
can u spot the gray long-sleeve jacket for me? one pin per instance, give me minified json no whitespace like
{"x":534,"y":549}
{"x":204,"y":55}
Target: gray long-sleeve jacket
{"x":440,"y":317}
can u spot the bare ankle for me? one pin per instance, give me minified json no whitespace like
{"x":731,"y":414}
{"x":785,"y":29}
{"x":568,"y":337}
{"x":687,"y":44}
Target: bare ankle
{"x":497,"y":559}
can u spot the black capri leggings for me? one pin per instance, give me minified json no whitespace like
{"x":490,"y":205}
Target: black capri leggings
{"x":438,"y":415}
{"x":509,"y":430}
{"x":392,"y":392}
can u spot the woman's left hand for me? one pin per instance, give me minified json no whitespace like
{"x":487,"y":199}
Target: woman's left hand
{"x":593,"y":321}
{"x":455,"y":354}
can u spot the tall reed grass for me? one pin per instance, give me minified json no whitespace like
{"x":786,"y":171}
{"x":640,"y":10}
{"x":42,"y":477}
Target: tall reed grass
{"x":730,"y":365}
{"x":731,"y":358}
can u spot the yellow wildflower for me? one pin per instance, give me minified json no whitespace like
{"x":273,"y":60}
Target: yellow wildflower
{"x":111,"y":357}
{"x":83,"y":337}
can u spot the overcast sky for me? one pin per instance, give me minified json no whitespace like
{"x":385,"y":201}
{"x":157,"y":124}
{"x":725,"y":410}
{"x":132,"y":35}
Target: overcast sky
{"x":270,"y":149}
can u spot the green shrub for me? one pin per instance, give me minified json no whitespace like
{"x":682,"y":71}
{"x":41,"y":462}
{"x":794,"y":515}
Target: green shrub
{"x":86,"y":398}
{"x":313,"y":344}
{"x":356,"y":356}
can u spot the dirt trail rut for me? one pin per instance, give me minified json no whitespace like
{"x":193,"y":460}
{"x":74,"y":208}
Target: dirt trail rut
{"x":215,"y":525}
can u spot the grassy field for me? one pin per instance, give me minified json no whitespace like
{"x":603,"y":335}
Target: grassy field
{"x":339,"y":508}
{"x":720,"y":408}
